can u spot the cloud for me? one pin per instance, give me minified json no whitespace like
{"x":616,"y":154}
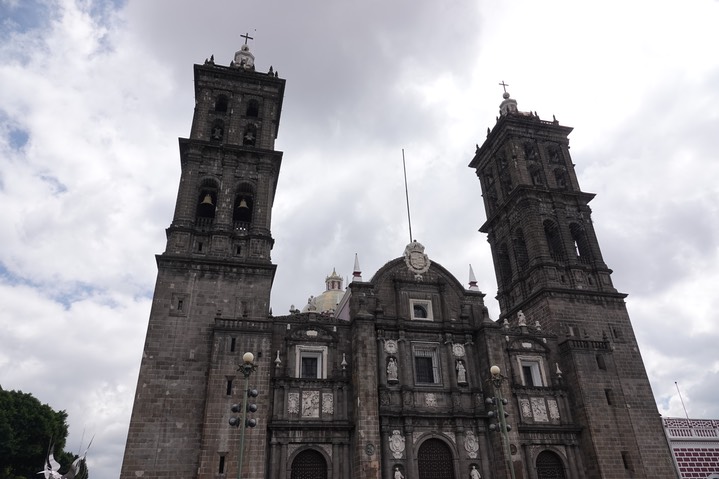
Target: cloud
{"x":95,"y":94}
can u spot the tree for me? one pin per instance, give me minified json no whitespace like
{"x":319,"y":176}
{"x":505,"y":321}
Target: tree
{"x":27,"y":429}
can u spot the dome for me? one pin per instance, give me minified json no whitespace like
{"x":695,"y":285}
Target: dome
{"x":327,"y":301}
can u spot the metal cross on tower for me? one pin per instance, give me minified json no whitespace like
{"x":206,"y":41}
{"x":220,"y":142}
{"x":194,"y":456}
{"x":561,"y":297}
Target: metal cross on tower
{"x":246,"y":36}
{"x":504,"y":85}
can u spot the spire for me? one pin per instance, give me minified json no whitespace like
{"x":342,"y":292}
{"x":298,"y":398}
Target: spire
{"x":472,"y":280}
{"x":357,"y":272}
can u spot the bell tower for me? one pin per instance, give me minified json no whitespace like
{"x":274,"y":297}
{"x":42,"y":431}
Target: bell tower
{"x":550,"y":269}
{"x":212,"y":296}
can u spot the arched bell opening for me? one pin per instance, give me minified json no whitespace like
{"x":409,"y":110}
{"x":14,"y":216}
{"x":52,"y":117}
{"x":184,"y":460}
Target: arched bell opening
{"x":243,"y":208}
{"x":206,"y":204}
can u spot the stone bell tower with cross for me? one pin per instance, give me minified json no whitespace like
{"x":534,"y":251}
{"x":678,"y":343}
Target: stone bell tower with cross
{"x":212,"y":296}
{"x":550,"y":273}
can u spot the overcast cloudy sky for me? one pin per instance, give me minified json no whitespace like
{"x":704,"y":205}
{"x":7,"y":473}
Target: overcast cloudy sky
{"x":94,"y":94}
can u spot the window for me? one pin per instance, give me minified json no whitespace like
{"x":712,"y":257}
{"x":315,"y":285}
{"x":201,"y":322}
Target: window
{"x":253,"y":108}
{"x":426,"y":363}
{"x":221,"y":104}
{"x":233,"y":343}
{"x":421,"y":309}
{"x":228,"y":390}
{"x":609,"y":394}
{"x":221,"y":469}
{"x":311,"y":362}
{"x":601,"y":364}
{"x":531,"y":371}
{"x":627,"y":460}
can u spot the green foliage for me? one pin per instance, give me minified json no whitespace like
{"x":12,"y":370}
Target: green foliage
{"x":27,"y":428}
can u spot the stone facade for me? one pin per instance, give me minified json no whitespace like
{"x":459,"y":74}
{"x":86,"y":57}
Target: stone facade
{"x":394,"y":382}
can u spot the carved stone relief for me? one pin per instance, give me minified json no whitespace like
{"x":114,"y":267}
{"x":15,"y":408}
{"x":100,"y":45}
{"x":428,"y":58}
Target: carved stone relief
{"x":328,"y":403}
{"x":553,"y":409}
{"x":471,"y":445}
{"x":396,"y":444}
{"x":430,"y":400}
{"x":293,"y":403}
{"x":539,"y":410}
{"x":310,"y":404}
{"x":526,"y":408}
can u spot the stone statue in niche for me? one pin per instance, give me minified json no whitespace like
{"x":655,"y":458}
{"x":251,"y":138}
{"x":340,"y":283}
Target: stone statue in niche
{"x":392,"y":370}
{"x":461,"y":373}
{"x":521,"y":319}
{"x":474,"y":473}
{"x":397,"y":473}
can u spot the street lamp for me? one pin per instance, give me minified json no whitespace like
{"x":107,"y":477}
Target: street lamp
{"x":500,"y":402}
{"x":247,"y":368}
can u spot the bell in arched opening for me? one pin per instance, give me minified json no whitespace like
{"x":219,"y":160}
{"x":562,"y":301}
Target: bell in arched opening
{"x":206,"y":207}
{"x":242,"y":214}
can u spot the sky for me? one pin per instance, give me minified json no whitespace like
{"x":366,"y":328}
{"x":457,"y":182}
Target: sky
{"x":94,"y":95}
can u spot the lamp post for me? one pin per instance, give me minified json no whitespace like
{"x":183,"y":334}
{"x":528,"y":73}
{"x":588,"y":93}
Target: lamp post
{"x":497,"y":380}
{"x":247,"y":368}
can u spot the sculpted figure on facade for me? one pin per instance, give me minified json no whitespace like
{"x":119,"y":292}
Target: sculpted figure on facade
{"x":461,"y":373}
{"x":392,"y":370}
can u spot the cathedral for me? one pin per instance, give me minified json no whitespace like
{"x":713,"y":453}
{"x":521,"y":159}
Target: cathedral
{"x":400,"y":376}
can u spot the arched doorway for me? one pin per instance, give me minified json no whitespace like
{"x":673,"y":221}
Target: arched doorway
{"x":309,"y":464}
{"x":549,"y":466}
{"x":434,"y":460}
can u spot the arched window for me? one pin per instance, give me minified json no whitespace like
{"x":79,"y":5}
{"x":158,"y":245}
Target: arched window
{"x":549,"y":466}
{"x":434,"y":460}
{"x":581,"y":244}
{"x":218,"y":130}
{"x":505,"y":266}
{"x":520,"y":249}
{"x":253,"y":108}
{"x":250,"y":136}
{"x":554,"y":240}
{"x":221,"y":104}
{"x":309,"y":464}
{"x":206,"y":203}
